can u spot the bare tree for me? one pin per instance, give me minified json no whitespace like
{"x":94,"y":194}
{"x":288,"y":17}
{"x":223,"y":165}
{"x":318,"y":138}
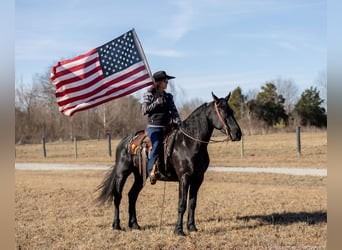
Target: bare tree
{"x":26,"y":102}
{"x":289,"y":90}
{"x":56,"y":125}
{"x":189,"y":107}
{"x":251,"y":94}
{"x":178,"y":92}
{"x":122,"y":116}
{"x":322,"y":84}
{"x":26,"y":98}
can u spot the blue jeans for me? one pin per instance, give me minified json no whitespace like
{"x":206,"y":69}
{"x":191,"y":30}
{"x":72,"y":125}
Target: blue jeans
{"x":156,"y":136}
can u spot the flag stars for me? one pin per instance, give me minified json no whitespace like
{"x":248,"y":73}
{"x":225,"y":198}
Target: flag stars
{"x":119,"y":54}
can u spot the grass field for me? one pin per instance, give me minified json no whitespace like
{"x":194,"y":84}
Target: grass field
{"x":278,"y":150}
{"x":55,"y":209}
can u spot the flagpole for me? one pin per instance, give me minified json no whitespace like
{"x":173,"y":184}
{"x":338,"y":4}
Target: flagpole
{"x":141,"y":52}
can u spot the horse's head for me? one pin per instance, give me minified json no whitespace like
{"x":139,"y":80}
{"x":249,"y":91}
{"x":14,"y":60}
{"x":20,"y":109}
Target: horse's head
{"x":223,"y":118}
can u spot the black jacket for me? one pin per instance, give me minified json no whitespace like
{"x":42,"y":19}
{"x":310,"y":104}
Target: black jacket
{"x":160,"y":114}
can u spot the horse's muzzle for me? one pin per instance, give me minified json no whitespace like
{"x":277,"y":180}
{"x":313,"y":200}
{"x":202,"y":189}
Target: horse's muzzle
{"x":235,"y":135}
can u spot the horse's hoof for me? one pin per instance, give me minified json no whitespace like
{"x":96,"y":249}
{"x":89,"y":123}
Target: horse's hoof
{"x":134,"y":226}
{"x":192,"y":228}
{"x":116,"y":226}
{"x":179,"y":232}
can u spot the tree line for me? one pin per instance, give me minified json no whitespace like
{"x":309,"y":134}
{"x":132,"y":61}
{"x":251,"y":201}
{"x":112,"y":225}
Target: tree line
{"x":271,"y":110}
{"x":274,"y":106}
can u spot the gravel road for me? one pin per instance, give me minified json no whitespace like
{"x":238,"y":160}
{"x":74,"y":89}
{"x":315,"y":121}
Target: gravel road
{"x":274,"y":170}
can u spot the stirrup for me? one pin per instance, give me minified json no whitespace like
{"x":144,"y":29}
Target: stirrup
{"x":153,"y":180}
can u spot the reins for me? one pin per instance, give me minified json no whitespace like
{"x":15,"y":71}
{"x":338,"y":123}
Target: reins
{"x":198,"y":140}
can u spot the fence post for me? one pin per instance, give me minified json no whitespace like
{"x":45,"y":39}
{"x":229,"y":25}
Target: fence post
{"x":75,"y":146}
{"x":242,"y":147}
{"x":44,"y":148}
{"x":109,"y":144}
{"x":299,"y":148}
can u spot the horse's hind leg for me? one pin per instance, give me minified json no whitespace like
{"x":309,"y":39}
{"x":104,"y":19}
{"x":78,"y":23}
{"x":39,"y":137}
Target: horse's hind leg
{"x":133,"y":196}
{"x":119,"y":184}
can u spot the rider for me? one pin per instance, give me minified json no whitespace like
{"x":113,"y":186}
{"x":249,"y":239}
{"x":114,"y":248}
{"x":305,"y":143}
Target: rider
{"x":161,"y":110}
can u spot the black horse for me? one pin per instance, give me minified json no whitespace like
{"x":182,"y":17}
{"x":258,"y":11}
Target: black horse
{"x":189,"y":161}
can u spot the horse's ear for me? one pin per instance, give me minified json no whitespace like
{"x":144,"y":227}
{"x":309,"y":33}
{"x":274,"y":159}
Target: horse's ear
{"x":216,"y":99}
{"x":227,"y":97}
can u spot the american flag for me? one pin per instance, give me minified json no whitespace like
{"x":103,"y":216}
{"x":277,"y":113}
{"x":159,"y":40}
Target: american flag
{"x":113,"y":70}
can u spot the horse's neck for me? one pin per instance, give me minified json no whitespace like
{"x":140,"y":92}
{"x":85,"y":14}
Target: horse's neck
{"x":199,"y":126}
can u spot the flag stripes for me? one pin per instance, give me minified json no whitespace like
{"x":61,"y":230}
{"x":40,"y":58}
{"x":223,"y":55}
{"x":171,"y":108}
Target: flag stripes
{"x":113,"y":70}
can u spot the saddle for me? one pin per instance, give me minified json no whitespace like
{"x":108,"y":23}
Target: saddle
{"x":140,"y":145}
{"x":140,"y":139}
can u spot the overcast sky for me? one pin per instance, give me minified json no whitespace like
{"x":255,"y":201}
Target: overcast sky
{"x":209,"y":45}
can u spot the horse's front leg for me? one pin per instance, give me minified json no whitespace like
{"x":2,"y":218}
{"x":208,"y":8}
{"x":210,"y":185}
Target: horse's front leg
{"x":192,"y":203}
{"x":183,"y":195}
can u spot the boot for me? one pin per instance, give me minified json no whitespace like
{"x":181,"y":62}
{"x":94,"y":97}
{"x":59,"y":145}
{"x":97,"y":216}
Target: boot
{"x":153,"y":178}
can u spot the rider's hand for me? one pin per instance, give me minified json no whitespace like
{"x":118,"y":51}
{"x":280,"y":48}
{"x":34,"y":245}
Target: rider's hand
{"x":159,"y":100}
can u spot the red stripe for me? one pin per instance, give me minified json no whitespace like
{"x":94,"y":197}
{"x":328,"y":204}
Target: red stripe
{"x":77,"y":57}
{"x":102,"y":87}
{"x":54,"y":68}
{"x":73,"y":69}
{"x":139,"y":79}
{"x":83,"y":98}
{"x":106,"y":100}
{"x":79,"y":78}
{"x":80,"y":87}
{"x":114,"y":81}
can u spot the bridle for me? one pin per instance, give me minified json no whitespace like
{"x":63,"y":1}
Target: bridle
{"x":211,"y":140}
{"x":221,"y":120}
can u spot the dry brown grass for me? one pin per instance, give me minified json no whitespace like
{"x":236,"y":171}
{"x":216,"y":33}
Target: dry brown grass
{"x":55,"y":210}
{"x":260,"y":151}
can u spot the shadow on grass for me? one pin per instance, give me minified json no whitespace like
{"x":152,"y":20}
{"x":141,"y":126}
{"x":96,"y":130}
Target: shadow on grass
{"x":282,"y":219}
{"x":287,"y":218}
{"x":254,"y":221}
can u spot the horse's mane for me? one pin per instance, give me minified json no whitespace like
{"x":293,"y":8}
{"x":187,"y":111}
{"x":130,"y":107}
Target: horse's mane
{"x":196,"y":120}
{"x":196,"y":112}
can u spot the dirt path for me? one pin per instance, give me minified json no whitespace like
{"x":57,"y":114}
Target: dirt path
{"x":274,"y":170}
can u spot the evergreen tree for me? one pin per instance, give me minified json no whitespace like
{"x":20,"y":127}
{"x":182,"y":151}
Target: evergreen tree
{"x":268,"y":105}
{"x":237,"y":102}
{"x":308,"y":109}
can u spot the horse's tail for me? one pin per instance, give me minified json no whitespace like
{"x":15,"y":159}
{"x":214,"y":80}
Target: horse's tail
{"x":108,"y":185}
{"x":106,"y":188}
